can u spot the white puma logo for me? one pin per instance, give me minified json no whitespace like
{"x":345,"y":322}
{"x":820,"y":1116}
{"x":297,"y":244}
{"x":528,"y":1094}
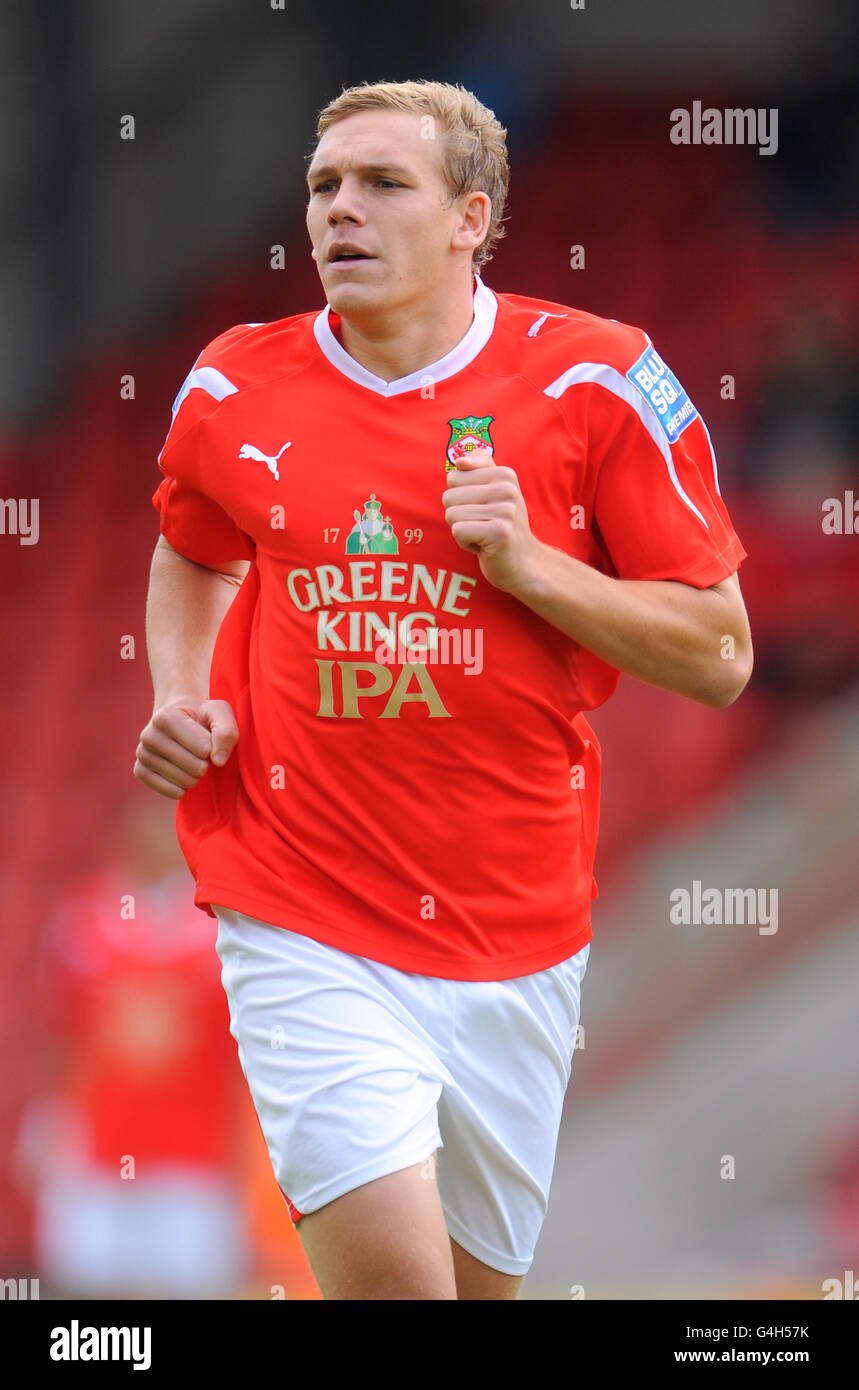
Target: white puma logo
{"x":538,"y":323}
{"x":250,"y":451}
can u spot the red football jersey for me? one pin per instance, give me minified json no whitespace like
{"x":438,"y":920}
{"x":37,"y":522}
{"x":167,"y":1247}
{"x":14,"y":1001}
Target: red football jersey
{"x":152,"y":1068}
{"x":414,"y":779}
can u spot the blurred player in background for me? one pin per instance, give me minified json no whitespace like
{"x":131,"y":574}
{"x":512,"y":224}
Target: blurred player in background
{"x":133,"y":1148}
{"x":406,"y":542}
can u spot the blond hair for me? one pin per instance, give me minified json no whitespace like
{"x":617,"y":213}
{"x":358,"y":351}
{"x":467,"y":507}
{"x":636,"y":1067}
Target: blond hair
{"x":474,"y":152}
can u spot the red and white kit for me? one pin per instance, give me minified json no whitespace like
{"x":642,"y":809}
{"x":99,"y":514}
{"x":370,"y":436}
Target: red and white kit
{"x":401,"y":850}
{"x":435,"y":817}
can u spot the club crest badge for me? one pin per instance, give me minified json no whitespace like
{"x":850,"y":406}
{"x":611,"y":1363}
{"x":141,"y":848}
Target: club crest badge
{"x":465,"y":435}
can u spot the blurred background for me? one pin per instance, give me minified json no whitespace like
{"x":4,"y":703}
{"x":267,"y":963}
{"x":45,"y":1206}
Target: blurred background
{"x":131,"y":1163}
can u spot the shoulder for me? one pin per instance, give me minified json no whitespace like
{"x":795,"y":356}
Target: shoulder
{"x":241,"y":358}
{"x":553,"y":339}
{"x":604,"y":367}
{"x":250,"y":353}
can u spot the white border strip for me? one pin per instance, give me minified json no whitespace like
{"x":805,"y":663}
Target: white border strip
{"x":601,"y":374}
{"x":207,"y":379}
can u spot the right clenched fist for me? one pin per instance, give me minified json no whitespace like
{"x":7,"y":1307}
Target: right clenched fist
{"x":180,"y":740}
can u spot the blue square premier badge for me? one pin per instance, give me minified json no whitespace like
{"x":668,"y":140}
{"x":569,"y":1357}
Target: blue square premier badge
{"x":659,"y":384}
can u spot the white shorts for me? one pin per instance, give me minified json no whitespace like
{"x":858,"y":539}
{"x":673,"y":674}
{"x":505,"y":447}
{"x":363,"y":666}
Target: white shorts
{"x":358,"y":1070}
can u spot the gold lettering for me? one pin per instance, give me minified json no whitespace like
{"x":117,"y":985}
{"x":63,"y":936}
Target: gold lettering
{"x":359,"y":579}
{"x":386,"y":591}
{"x":325,"y":635}
{"x":456,"y":583}
{"x":373,"y":624}
{"x":432,"y":589}
{"x":352,"y":691}
{"x":326,"y":689}
{"x":427,"y":693}
{"x":311,"y":589}
{"x":330,"y":579}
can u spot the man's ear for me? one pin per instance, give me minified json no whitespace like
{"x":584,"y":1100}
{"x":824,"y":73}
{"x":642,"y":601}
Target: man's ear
{"x":475,"y":219}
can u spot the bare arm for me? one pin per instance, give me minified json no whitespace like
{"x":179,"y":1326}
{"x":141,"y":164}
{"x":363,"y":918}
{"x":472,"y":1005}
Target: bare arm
{"x":185,"y":607}
{"x":694,"y":642}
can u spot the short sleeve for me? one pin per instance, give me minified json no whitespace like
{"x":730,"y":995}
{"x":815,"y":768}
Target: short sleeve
{"x":192,"y":522}
{"x":657,"y":503}
{"x":197,"y":527}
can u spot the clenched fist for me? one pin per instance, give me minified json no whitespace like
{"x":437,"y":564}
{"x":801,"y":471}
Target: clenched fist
{"x":180,"y":740}
{"x":486,"y":513}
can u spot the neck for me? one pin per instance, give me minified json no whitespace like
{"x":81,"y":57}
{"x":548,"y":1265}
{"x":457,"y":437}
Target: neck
{"x":407,"y":338}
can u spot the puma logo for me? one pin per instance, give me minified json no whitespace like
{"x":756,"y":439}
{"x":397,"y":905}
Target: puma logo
{"x":250,"y":451}
{"x":538,"y":323}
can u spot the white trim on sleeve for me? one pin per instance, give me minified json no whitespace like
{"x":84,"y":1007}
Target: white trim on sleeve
{"x":207,"y":379}
{"x":601,"y":374}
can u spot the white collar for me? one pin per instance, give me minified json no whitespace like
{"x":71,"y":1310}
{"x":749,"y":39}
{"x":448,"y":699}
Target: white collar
{"x":465,"y":351}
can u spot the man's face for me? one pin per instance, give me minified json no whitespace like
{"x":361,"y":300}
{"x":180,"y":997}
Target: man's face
{"x":377,"y":185}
